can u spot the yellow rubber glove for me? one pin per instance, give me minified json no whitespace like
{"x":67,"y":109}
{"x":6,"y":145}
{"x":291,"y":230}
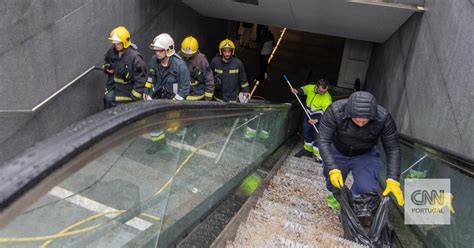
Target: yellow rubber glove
{"x":335,"y":177}
{"x":394,"y":188}
{"x":447,"y":201}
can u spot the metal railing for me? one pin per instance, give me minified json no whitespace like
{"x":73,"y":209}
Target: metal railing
{"x":453,"y":159}
{"x":53,"y":96}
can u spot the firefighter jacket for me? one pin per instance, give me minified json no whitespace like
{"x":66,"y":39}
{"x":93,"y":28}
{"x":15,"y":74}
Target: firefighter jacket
{"x":202,"y":79}
{"x":129,"y":75}
{"x":230,"y":78}
{"x":337,"y":131}
{"x":316,"y":103}
{"x":172,"y":81}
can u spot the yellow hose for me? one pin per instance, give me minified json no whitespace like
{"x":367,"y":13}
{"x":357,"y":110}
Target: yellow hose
{"x":182,"y":164}
{"x":66,"y":231}
{"x":48,"y":237}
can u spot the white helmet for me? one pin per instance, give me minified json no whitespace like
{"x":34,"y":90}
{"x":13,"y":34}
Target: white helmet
{"x":163,"y":41}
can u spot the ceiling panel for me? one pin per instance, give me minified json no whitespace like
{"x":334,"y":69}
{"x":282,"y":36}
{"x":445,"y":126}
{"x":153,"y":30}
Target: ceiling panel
{"x":362,"y":21}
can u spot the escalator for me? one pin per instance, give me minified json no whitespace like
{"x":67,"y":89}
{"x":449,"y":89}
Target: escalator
{"x":104,"y":182}
{"x":98,"y":184}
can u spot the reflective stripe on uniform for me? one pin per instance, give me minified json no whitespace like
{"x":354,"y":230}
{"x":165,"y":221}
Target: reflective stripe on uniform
{"x":123,"y":99}
{"x":175,"y":89}
{"x":194,"y":82}
{"x":316,"y":151}
{"x":148,"y":85}
{"x":244,"y":84}
{"x":136,"y":94}
{"x":250,"y":132}
{"x":218,"y":71}
{"x":157,"y":136}
{"x":308,"y":146}
{"x":313,"y":112}
{"x":120,"y":81}
{"x":208,"y":94}
{"x":194,"y":98}
{"x":178,"y":97}
{"x":235,"y":71}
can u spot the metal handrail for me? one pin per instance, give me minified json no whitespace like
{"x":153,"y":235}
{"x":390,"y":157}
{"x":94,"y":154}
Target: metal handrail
{"x":45,"y":101}
{"x":453,"y":159}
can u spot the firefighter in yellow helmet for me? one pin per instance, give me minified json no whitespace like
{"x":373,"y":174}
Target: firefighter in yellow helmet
{"x":125,"y":68}
{"x":202,"y":80}
{"x":229,"y":74}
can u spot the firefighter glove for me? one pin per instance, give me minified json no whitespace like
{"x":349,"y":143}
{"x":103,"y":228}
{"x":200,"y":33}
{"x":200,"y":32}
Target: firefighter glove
{"x":335,"y":176}
{"x":217,"y":83}
{"x":394,"y":188}
{"x":108,"y":69}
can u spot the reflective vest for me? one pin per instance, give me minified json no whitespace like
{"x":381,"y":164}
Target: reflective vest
{"x":316,"y":103}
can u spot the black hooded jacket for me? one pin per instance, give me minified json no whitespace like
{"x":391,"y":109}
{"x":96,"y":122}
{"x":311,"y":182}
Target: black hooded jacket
{"x":337,"y":129}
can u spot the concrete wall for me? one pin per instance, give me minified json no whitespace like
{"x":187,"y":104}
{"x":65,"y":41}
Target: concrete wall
{"x":46,"y":43}
{"x":424,"y":75}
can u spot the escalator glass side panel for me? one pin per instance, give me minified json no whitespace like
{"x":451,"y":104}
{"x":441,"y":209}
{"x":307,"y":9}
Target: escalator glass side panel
{"x":419,"y":164}
{"x":153,"y":179}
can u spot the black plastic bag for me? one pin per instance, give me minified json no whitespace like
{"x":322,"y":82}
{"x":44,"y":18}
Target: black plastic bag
{"x":366,"y":206}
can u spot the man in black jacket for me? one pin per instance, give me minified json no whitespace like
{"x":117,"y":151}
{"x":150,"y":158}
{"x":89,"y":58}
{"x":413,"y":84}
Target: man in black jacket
{"x":349,"y":131}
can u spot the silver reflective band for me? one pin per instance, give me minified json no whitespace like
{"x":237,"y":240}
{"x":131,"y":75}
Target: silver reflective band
{"x":178,"y":97}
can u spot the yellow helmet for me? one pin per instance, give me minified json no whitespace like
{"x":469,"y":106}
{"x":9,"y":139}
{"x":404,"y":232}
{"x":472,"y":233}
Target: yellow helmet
{"x":120,"y":34}
{"x":189,"y":45}
{"x":226,"y":44}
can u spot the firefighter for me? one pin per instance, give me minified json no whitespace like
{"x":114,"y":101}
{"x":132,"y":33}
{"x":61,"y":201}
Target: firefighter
{"x":202,"y":80}
{"x":168,"y":78}
{"x":229,"y":74}
{"x":318,"y":100}
{"x":125,"y":68}
{"x":168,"y":75}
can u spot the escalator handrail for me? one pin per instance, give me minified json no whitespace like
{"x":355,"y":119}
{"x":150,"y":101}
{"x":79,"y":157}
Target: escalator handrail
{"x":22,"y":174}
{"x":456,"y":160}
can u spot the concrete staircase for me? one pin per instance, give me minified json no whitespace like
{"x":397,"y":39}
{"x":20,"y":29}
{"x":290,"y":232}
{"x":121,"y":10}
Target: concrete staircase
{"x":293,"y":212}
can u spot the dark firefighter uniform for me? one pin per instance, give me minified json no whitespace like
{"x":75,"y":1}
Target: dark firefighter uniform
{"x":230,"y":78}
{"x":202,"y":79}
{"x":170,"y":82}
{"x":129,"y":77}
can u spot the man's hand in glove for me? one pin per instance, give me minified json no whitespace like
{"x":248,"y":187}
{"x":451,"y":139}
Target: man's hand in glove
{"x":394,"y":188}
{"x":335,"y":176}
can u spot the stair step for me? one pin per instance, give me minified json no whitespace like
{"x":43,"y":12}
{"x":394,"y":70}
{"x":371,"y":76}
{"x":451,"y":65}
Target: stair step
{"x":292,"y":212}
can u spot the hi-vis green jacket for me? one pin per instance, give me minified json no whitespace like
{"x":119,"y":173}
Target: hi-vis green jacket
{"x":315,"y":103}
